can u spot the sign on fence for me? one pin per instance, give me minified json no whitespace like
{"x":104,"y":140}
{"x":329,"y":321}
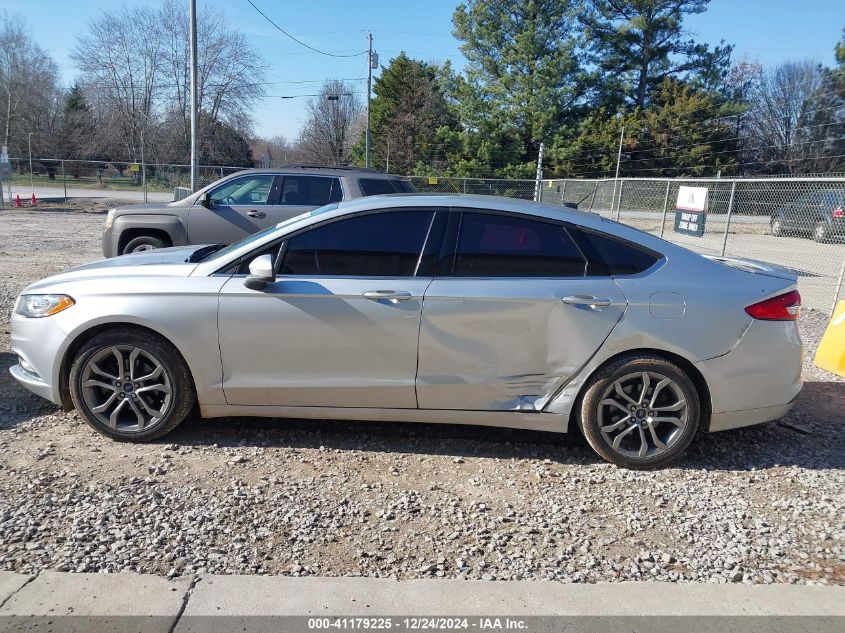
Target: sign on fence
{"x":690,"y":210}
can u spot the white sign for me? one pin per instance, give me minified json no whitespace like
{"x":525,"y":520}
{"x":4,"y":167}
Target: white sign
{"x":692,"y":199}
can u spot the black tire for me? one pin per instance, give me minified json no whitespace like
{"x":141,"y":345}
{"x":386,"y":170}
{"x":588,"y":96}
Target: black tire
{"x":144,"y":243}
{"x":777,"y":227}
{"x":821,"y":232}
{"x":605,"y":379}
{"x":175,"y":372}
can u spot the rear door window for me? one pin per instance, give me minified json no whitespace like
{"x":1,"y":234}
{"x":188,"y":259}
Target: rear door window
{"x":492,"y":245}
{"x":310,"y":191}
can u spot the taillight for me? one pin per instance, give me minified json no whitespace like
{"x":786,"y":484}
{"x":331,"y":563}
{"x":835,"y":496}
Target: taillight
{"x":838,"y":212}
{"x":785,"y":307}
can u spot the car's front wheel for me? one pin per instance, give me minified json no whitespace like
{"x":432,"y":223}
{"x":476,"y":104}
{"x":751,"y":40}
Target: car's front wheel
{"x":131,"y":385}
{"x":640,"y":412}
{"x":143,"y":243}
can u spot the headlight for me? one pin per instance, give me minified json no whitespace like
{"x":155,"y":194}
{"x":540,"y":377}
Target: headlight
{"x":110,"y":218}
{"x":35,"y":306}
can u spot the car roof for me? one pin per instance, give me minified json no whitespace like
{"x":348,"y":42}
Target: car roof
{"x":457,"y":203}
{"x":321,"y":170}
{"x":463,"y":201}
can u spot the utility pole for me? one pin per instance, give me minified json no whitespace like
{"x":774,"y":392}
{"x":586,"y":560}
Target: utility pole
{"x":29,"y":144}
{"x":369,"y":89}
{"x":538,"y":182}
{"x":192,"y":10}
{"x":618,"y":162}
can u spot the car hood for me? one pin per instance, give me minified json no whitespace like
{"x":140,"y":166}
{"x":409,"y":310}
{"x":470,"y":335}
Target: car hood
{"x":150,"y":207}
{"x":163,"y":262}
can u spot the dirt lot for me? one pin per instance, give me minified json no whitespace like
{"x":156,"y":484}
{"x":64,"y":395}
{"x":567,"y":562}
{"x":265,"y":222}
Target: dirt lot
{"x":758,"y":505}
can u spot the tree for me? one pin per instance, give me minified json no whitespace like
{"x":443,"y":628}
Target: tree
{"x":29,"y":90}
{"x":523,"y":76}
{"x":120,"y":56}
{"x":681,"y":132}
{"x":821,"y":129}
{"x":328,"y":133}
{"x":405,"y":115}
{"x":230,"y":73}
{"x":779,"y":102}
{"x":637,"y":44}
{"x":223,"y":145}
{"x":77,"y":128}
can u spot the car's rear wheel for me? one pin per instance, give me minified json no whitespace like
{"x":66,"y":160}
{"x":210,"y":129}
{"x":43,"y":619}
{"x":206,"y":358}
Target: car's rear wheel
{"x":131,"y":385}
{"x":640,"y":412}
{"x":144,"y":243}
{"x":821,"y":232}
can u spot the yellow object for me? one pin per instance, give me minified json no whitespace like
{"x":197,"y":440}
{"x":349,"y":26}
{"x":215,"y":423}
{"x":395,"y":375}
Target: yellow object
{"x":432,"y":180}
{"x":831,"y":352}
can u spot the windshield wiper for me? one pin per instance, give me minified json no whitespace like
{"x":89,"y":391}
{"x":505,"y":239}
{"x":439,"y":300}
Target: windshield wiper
{"x":201,"y":254}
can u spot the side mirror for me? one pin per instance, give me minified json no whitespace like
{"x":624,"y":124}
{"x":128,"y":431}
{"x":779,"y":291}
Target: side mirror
{"x":205,"y":199}
{"x":260,"y":273}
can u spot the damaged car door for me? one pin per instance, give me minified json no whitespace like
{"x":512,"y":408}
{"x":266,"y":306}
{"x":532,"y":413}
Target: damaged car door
{"x":512,"y":316}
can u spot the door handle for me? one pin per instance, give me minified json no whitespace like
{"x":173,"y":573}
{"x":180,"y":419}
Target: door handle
{"x":586,"y":300}
{"x":256,"y":214}
{"x":391,"y":295}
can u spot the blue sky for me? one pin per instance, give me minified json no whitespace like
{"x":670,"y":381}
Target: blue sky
{"x":769,"y":31}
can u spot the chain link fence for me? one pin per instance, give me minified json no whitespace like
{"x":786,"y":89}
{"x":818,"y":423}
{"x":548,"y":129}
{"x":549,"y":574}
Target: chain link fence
{"x":523,"y":189}
{"x":797,"y":223}
{"x":135,"y":182}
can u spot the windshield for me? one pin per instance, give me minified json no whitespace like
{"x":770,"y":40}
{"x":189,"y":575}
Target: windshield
{"x":255,"y":237}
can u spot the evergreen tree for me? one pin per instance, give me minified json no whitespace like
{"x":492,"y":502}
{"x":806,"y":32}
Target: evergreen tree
{"x":77,"y":129}
{"x":682,"y":132}
{"x":405,"y":115}
{"x":637,"y":44}
{"x":523,"y":78}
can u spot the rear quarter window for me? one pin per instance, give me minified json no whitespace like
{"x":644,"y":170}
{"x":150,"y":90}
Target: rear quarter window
{"x":378,"y":186}
{"x":609,"y":255}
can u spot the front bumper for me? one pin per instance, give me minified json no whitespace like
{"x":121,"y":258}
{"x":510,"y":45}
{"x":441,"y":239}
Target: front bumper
{"x":110,"y":239}
{"x":40,"y":342}
{"x":32,"y":382}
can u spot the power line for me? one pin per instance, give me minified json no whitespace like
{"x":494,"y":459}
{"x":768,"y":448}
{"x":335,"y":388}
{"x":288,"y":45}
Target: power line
{"x":300,"y":42}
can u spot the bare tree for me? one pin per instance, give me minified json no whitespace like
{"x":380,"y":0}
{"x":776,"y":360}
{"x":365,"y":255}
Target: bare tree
{"x":329,"y":133}
{"x":120,"y":56}
{"x":30,"y":91}
{"x":779,"y":101}
{"x":230,"y":72}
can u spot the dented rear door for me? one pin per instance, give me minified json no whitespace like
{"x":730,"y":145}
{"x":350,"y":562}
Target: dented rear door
{"x":507,"y":340}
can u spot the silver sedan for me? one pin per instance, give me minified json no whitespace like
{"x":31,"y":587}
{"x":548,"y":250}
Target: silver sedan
{"x":444,"y":309}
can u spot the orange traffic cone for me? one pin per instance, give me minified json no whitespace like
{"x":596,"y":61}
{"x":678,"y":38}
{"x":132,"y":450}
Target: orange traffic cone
{"x":18,"y":201}
{"x":33,"y":202}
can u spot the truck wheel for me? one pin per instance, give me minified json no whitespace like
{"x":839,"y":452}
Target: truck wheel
{"x":143,"y":243}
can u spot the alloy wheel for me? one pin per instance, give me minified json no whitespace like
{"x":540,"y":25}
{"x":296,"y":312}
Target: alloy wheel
{"x":642,"y":415}
{"x":126,"y":388}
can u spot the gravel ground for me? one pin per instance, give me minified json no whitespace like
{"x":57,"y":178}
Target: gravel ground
{"x":757,"y":505}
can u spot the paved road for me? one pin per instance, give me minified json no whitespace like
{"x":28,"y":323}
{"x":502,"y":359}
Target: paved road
{"x":46,"y":193}
{"x":99,"y":602}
